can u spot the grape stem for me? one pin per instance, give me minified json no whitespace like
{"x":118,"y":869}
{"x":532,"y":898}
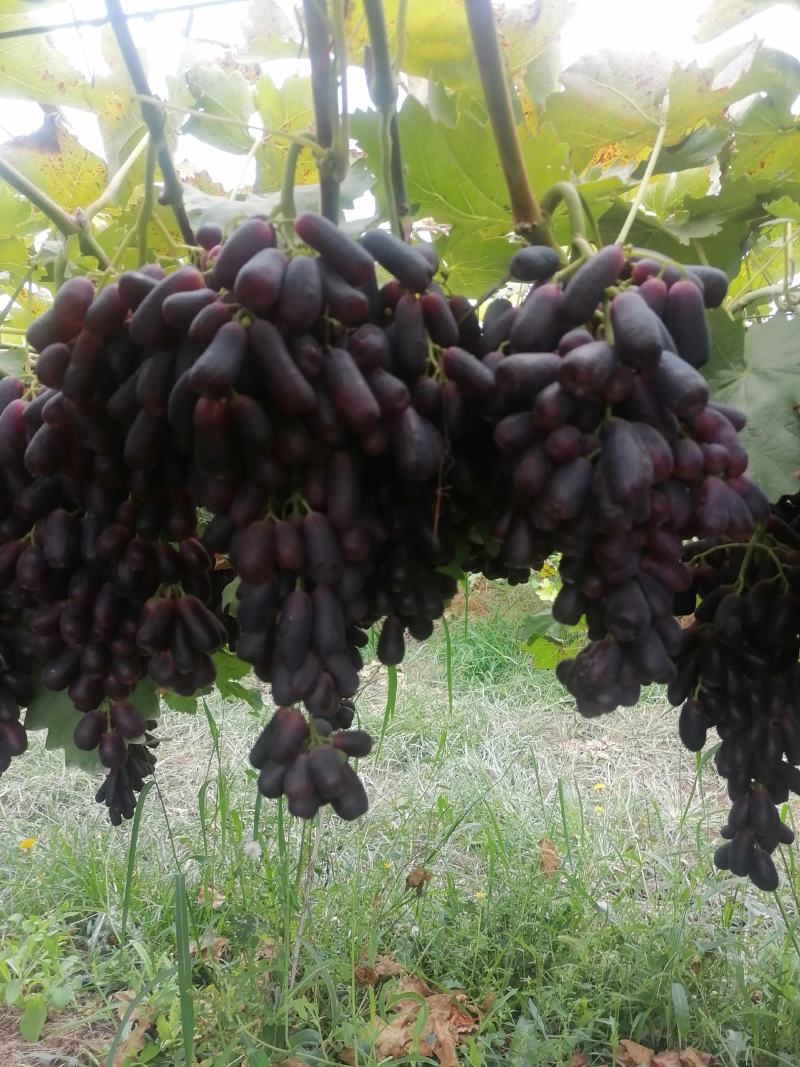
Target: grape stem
{"x":383,"y":92}
{"x":65,"y":223}
{"x":566,"y":193}
{"x":526,"y":212}
{"x":146,"y":210}
{"x":767,"y":292}
{"x":286,"y":204}
{"x":153,"y":116}
{"x":648,"y":173}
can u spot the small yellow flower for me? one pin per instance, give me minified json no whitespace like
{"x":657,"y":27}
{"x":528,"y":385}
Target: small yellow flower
{"x":599,"y":786}
{"x":27,"y":843}
{"x":599,"y":809}
{"x":480,"y":895}
{"x":387,"y":866}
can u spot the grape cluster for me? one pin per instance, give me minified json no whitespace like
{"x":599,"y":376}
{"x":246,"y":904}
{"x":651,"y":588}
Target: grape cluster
{"x":737,"y":672}
{"x":308,"y":762}
{"x":342,"y":437}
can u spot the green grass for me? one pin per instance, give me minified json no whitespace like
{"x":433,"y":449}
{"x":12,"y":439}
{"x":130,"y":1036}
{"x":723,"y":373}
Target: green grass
{"x":636,"y":937}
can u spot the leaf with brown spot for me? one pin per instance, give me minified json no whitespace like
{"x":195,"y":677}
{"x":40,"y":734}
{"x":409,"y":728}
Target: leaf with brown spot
{"x":632,"y":1054}
{"x":416,"y":879}
{"x":56,"y":161}
{"x":549,"y":859}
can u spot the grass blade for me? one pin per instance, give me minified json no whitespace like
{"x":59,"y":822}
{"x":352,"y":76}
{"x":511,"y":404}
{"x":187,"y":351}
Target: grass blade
{"x":391,"y":702}
{"x":137,"y":822}
{"x":448,"y":660}
{"x":185,"y":991}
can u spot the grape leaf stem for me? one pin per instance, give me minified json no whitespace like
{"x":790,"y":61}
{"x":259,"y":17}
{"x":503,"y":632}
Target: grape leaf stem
{"x":648,"y":173}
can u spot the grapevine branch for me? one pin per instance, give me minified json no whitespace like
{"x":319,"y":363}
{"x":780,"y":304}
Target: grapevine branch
{"x":64,"y":222}
{"x":323,"y":92}
{"x":153,"y":116}
{"x":527,"y":214}
{"x":383,"y":91}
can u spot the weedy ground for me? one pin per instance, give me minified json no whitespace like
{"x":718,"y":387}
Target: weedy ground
{"x":241,"y":937}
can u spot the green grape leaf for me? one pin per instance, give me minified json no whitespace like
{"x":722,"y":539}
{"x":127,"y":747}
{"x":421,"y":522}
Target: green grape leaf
{"x":229,"y":598}
{"x":12,"y":361}
{"x":230,"y":671}
{"x":56,"y":161}
{"x":224,"y":94}
{"x":540,"y":624}
{"x":185,"y":705}
{"x":755,"y":370}
{"x":722,"y":15}
{"x":207,"y":207}
{"x":285,"y":109}
{"x":15,"y":212}
{"x":544,"y":652}
{"x":785,"y":207}
{"x":269,"y":32}
{"x":56,"y":713}
{"x":453,"y":175}
{"x":145,"y":697}
{"x":438,"y":42}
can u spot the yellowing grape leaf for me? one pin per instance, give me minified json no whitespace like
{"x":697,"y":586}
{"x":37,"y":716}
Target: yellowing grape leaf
{"x":438,"y":41}
{"x":756,"y":371}
{"x":615,"y":98}
{"x":285,"y":109}
{"x":56,"y":161}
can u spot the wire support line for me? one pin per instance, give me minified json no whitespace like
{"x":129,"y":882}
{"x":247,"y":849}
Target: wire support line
{"x":103,"y":20}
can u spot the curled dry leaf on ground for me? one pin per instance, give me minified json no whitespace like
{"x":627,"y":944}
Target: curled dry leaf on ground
{"x":549,"y":859}
{"x":632,"y":1054}
{"x":385,"y":966}
{"x":209,"y":895}
{"x":211,"y":947}
{"x":141,"y":1020}
{"x":433,"y":1022}
{"x":416,"y":879}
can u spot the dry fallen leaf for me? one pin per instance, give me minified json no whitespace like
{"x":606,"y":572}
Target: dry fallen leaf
{"x":416,"y":879}
{"x":207,"y":895}
{"x":549,"y":859}
{"x":692,"y":1057}
{"x":631,"y":1054}
{"x":267,"y":949}
{"x":211,"y":947}
{"x":386,"y":966}
{"x":670,"y":1058}
{"x":365,"y":975}
{"x":579,"y":1059}
{"x":446,"y":1019}
{"x":140,"y":1021}
{"x":348,"y":1056}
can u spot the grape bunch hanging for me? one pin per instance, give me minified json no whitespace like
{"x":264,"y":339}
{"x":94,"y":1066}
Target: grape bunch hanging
{"x":331,"y":437}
